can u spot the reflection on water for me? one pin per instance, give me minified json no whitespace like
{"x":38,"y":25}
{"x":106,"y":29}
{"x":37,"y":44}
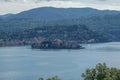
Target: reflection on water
{"x":23,"y":63}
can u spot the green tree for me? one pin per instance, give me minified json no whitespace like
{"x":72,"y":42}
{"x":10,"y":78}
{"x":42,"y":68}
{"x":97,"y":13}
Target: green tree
{"x":102,"y":72}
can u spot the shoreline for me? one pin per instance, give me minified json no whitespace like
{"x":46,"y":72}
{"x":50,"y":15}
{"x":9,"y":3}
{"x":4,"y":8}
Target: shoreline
{"x":80,"y":44}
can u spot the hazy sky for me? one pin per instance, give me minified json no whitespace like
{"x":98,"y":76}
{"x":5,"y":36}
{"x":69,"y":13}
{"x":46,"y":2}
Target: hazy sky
{"x":15,"y":6}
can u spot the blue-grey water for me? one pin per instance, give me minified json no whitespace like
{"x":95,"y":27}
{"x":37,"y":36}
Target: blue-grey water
{"x":23,"y":63}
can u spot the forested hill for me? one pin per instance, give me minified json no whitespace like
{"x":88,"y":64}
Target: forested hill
{"x":109,"y":24}
{"x":47,"y":16}
{"x":78,"y":33}
{"x":106,"y":22}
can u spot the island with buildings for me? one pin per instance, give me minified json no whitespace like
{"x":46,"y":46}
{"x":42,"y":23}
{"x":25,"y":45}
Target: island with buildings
{"x":56,"y":44}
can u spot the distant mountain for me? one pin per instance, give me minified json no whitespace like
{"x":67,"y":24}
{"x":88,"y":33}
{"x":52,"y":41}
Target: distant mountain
{"x":6,"y":16}
{"x":50,"y":13}
{"x":105,"y":21}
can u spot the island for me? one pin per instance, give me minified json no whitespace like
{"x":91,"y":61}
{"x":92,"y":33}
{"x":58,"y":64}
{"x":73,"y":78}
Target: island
{"x":56,"y":44}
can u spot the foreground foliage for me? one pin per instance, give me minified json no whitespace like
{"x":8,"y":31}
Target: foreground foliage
{"x":102,"y":72}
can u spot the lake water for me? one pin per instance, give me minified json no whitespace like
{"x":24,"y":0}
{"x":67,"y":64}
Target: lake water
{"x":23,"y":63}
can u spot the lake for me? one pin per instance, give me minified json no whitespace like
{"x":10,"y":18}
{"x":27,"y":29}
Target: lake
{"x":23,"y":63}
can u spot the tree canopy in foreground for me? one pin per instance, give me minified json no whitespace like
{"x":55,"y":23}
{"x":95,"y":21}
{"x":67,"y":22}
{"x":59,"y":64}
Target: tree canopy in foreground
{"x":102,"y":72}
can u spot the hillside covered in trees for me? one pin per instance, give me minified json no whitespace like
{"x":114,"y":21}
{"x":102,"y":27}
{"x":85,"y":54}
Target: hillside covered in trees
{"x":78,"y":33}
{"x":61,"y":23}
{"x":109,"y":24}
{"x":39,"y":17}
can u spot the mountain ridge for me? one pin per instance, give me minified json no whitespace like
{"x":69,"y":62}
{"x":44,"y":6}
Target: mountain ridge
{"x":52,"y":13}
{"x":104,"y":21}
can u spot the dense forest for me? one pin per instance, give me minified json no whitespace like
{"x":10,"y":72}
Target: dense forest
{"x":94,"y":26}
{"x":17,"y":25}
{"x":78,"y":33}
{"x":108,"y":24}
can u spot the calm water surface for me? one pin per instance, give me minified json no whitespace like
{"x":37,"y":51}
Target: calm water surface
{"x":23,"y":63}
